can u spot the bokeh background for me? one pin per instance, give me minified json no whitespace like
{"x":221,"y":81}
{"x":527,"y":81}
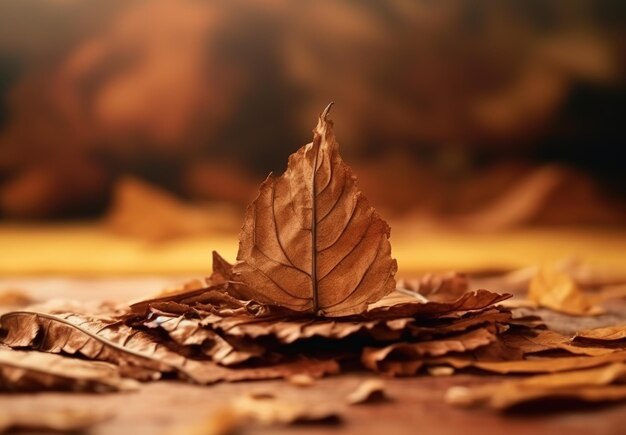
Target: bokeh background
{"x":133,"y":133}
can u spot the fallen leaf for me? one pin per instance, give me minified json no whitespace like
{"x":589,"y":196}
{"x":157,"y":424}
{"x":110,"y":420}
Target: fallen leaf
{"x":310,"y":241}
{"x":15,"y":298}
{"x":556,"y":290}
{"x":169,"y":217}
{"x":272,"y":411}
{"x":587,"y":385}
{"x":301,"y":380}
{"x":370,"y":391}
{"x":134,"y":351}
{"x":197,"y":339}
{"x":440,"y":370}
{"x":63,"y":420}
{"x":602,"y":336}
{"x":137,"y":353}
{"x":469,"y":301}
{"x":544,"y":340}
{"x":437,"y":287}
{"x":406,"y":358}
{"x":536,"y":365}
{"x":36,"y":371}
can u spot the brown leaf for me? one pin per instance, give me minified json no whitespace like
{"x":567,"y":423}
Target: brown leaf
{"x":134,"y":351}
{"x":212,"y":299}
{"x":609,"y":335}
{"x":64,"y":420}
{"x":538,"y":365}
{"x":310,"y":241}
{"x":15,"y":298}
{"x":587,"y":385}
{"x":137,"y":353}
{"x":170,"y":218}
{"x":469,"y":301}
{"x":187,"y":332}
{"x":556,"y":290}
{"x":36,"y":371}
{"x":290,"y":330}
{"x":469,"y":320}
{"x":437,"y":288}
{"x":370,"y":391}
{"x":301,"y":380}
{"x":542,"y":341}
{"x":406,"y":358}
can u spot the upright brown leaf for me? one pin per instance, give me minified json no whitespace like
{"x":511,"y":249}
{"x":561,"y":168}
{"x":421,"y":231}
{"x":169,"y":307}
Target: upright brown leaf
{"x":311,"y":242}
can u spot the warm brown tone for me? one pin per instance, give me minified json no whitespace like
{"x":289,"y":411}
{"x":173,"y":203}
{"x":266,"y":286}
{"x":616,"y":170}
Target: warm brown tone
{"x":310,"y":241}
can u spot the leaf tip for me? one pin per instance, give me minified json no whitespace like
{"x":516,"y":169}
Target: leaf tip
{"x":326,"y":111}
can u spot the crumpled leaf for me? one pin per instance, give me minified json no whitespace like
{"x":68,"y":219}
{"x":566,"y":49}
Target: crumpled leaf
{"x":370,"y":391}
{"x":587,"y":385}
{"x":310,"y":241}
{"x":610,"y":335}
{"x":536,"y":365}
{"x":290,"y":330}
{"x":134,"y":351}
{"x":62,"y":420}
{"x":191,"y":333}
{"x":15,"y":298}
{"x":545,"y":340}
{"x":406,"y":358}
{"x":469,"y":301}
{"x":36,"y":371}
{"x":556,"y":290}
{"x":137,"y":353}
{"x":437,"y":287}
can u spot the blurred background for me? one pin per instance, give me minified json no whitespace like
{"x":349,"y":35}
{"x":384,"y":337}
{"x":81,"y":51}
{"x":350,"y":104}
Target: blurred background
{"x":133,"y":133}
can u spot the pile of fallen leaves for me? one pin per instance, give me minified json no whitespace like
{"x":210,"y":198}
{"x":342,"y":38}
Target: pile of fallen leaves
{"x":313,"y":293}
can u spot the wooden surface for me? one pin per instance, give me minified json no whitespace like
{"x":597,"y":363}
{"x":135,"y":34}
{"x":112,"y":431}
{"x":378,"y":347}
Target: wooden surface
{"x":173,"y":407}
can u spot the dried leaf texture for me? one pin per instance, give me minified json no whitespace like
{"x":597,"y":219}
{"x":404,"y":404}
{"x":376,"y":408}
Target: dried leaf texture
{"x":36,"y":371}
{"x":137,"y":353}
{"x":311,"y":242}
{"x":590,"y":385}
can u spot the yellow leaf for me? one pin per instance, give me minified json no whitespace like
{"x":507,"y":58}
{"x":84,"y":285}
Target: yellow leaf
{"x":556,"y":290}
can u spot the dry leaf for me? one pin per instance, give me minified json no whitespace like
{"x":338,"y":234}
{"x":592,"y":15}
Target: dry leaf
{"x":270,"y":411}
{"x":370,"y":391}
{"x":65,"y":420}
{"x":556,"y":290}
{"x":290,"y":330}
{"x":469,"y":301}
{"x":310,"y":241}
{"x":301,"y":380}
{"x":538,"y":365}
{"x":544,"y":340}
{"x":169,"y":216}
{"x":191,"y":333}
{"x":609,"y":335}
{"x":15,"y":298}
{"x":437,"y":288}
{"x":440,"y":371}
{"x":134,"y":351}
{"x":586,"y":385}
{"x":137,"y":353}
{"x":35,"y":371}
{"x":406,"y":358}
